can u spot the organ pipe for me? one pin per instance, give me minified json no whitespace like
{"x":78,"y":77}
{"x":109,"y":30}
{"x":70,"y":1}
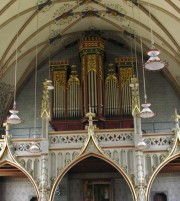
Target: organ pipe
{"x":92,"y":56}
{"x":111,"y":86}
{"x":73,"y":106}
{"x":125,"y":73}
{"x":59,"y":74}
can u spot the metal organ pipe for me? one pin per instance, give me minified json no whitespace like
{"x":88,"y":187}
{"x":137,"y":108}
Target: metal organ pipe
{"x":92,"y":54}
{"x":74,"y":97}
{"x":113,"y":95}
{"x":57,"y":100}
{"x":54,"y":101}
{"x":95,"y":92}
{"x":130,"y":98}
{"x":89,"y":91}
{"x":111,"y":91}
{"x":68,"y":101}
{"x":73,"y":94}
{"x":73,"y":100}
{"x":60,"y":97}
{"x":117,"y":95}
{"x":125,"y":99}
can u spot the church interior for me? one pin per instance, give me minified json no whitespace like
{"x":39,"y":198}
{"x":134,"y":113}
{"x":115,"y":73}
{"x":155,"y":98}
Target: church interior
{"x":89,"y":100}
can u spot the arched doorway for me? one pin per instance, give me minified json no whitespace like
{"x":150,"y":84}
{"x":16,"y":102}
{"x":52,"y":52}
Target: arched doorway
{"x":93,"y":179}
{"x":15,"y":185}
{"x":160,"y":197}
{"x":165,"y":186}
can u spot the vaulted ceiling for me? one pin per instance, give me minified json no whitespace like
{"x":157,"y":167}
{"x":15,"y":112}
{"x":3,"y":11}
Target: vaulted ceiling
{"x":31,"y":31}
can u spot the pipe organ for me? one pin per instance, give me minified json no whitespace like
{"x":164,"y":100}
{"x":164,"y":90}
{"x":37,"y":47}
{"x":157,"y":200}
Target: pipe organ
{"x":59,"y":74}
{"x":112,"y":103}
{"x":105,"y":92}
{"x":92,"y":58}
{"x":73,"y":95}
{"x":125,"y":73}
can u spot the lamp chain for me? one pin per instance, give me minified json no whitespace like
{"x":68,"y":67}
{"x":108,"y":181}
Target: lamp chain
{"x":16,"y":64}
{"x":152,"y":37}
{"x":49,"y":51}
{"x":135,"y":46}
{"x":35,"y":84}
{"x":142,"y":60}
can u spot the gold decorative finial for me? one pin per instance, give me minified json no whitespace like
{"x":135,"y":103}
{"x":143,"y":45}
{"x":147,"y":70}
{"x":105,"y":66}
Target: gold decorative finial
{"x":90,"y":115}
{"x":135,"y":95}
{"x":176,"y":118}
{"x":45,"y":107}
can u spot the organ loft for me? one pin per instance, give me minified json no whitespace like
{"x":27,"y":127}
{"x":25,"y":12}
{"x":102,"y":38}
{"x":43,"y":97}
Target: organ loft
{"x":92,"y":86}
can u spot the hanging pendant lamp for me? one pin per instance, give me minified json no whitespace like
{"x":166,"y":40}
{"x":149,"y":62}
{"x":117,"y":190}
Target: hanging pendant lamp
{"x":146,"y":112}
{"x":154,"y":62}
{"x":13,"y":118}
{"x":34,"y":146}
{"x":49,"y":81}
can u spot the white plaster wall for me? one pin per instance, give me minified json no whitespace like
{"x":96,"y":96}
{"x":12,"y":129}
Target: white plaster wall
{"x":16,"y":189}
{"x":63,"y":188}
{"x":169,"y":184}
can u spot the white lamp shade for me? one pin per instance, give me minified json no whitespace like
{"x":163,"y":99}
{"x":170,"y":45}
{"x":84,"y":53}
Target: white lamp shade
{"x":154,"y":62}
{"x":146,"y":111}
{"x":13,"y":119}
{"x":153,"y":52}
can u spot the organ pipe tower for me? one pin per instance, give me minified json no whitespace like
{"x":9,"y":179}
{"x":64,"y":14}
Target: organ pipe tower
{"x":94,"y":86}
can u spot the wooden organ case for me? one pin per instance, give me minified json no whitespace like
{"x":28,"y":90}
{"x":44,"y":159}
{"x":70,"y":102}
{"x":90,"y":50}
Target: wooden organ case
{"x":105,"y":92}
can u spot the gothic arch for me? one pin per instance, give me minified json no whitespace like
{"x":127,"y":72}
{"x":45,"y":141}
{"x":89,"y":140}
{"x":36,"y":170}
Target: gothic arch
{"x":101,"y":157}
{"x":4,"y":162}
{"x":165,"y":162}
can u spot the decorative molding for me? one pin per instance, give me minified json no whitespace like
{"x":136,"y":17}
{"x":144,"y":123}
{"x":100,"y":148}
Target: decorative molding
{"x":159,"y":142}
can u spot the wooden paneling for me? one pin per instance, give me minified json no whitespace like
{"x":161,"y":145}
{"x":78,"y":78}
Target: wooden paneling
{"x":10,"y":171}
{"x":172,"y":167}
{"x":92,"y":165}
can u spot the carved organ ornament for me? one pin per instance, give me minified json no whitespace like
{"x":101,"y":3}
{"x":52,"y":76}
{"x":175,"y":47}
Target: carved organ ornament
{"x":105,"y":92}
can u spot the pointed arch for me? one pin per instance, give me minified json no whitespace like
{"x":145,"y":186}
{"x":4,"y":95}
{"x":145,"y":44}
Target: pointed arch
{"x":4,"y":162}
{"x":85,"y":156}
{"x":158,"y":169}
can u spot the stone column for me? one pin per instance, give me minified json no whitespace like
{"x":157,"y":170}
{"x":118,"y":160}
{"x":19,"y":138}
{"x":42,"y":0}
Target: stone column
{"x":44,"y":188}
{"x":140,"y":180}
{"x":136,"y":110}
{"x":45,"y":116}
{"x":45,"y":109}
